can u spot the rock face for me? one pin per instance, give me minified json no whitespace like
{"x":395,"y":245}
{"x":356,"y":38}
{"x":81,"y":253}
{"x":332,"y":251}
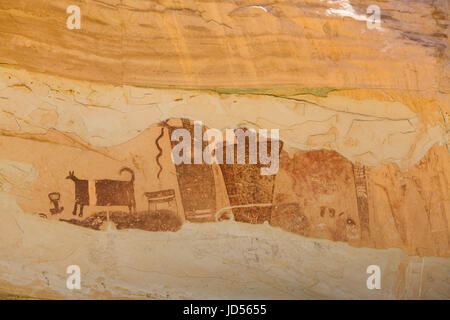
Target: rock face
{"x":321,"y":194}
{"x":208,"y":43}
{"x":88,"y":175}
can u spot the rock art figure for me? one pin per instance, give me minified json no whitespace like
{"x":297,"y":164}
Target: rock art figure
{"x":104,"y":192}
{"x":162,"y":196}
{"x":54,"y":198}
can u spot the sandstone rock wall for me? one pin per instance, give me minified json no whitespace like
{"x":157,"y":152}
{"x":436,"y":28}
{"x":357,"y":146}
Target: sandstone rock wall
{"x":362,"y":115}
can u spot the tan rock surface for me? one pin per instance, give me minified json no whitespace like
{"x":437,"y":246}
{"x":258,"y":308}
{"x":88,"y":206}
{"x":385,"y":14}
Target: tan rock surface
{"x":364,"y":168}
{"x":208,"y":43}
{"x":243,"y":260}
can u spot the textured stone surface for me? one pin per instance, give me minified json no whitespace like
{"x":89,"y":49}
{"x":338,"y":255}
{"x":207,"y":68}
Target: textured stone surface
{"x":243,"y":260}
{"x":364,"y":167}
{"x":211,"y":43}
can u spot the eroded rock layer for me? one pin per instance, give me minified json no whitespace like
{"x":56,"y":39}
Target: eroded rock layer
{"x":208,"y":43}
{"x":363,"y":120}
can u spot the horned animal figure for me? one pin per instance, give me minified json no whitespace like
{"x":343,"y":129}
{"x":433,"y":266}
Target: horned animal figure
{"x":104,"y":192}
